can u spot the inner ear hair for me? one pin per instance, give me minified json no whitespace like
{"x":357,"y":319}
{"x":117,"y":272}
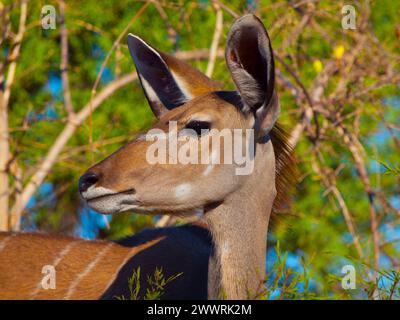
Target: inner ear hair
{"x":249,"y":57}
{"x":252,"y":93}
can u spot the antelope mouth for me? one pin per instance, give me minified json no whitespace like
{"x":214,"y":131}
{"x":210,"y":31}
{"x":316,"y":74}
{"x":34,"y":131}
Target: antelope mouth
{"x":107,"y":201}
{"x":102,"y":196}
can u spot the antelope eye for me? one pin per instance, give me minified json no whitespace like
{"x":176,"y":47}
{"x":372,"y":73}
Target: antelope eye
{"x":198,"y":126}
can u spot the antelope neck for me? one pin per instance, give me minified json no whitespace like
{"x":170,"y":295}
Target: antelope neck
{"x":239,"y":228}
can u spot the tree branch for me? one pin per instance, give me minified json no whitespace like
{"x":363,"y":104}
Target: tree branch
{"x":64,"y":62}
{"x":5,"y":92}
{"x":215,"y":40}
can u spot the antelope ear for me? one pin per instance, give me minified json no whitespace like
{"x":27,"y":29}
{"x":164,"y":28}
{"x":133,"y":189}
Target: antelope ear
{"x":250,"y":60}
{"x":167,"y":82}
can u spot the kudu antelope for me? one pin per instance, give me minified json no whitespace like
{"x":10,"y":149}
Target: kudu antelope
{"x":223,"y":254}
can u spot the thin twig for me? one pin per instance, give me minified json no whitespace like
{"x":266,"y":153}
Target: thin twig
{"x":216,"y":38}
{"x":64,"y":62}
{"x":105,"y":61}
{"x":15,"y":52}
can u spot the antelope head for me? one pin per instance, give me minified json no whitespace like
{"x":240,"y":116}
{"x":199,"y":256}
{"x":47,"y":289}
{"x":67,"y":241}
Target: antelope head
{"x":198,"y":108}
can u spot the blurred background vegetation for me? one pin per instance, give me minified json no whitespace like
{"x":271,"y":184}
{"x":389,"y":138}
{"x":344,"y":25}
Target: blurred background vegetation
{"x":340,"y":100}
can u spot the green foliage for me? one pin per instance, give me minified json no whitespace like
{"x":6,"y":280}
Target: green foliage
{"x":283,"y":282}
{"x":157,"y":284}
{"x":289,"y":283}
{"x":395,"y":170}
{"x":314,"y":227}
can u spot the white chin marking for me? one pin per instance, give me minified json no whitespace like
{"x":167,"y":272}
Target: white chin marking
{"x":113,"y":203}
{"x":93,"y":192}
{"x":183,"y":190}
{"x":108,"y":201}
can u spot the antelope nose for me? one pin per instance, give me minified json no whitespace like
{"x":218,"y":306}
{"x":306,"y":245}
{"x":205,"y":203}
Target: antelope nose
{"x":87,"y":180}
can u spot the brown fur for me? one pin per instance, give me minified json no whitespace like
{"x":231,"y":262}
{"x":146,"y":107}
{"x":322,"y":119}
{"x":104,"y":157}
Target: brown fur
{"x":286,"y":167}
{"x":24,"y":255}
{"x":196,"y":81}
